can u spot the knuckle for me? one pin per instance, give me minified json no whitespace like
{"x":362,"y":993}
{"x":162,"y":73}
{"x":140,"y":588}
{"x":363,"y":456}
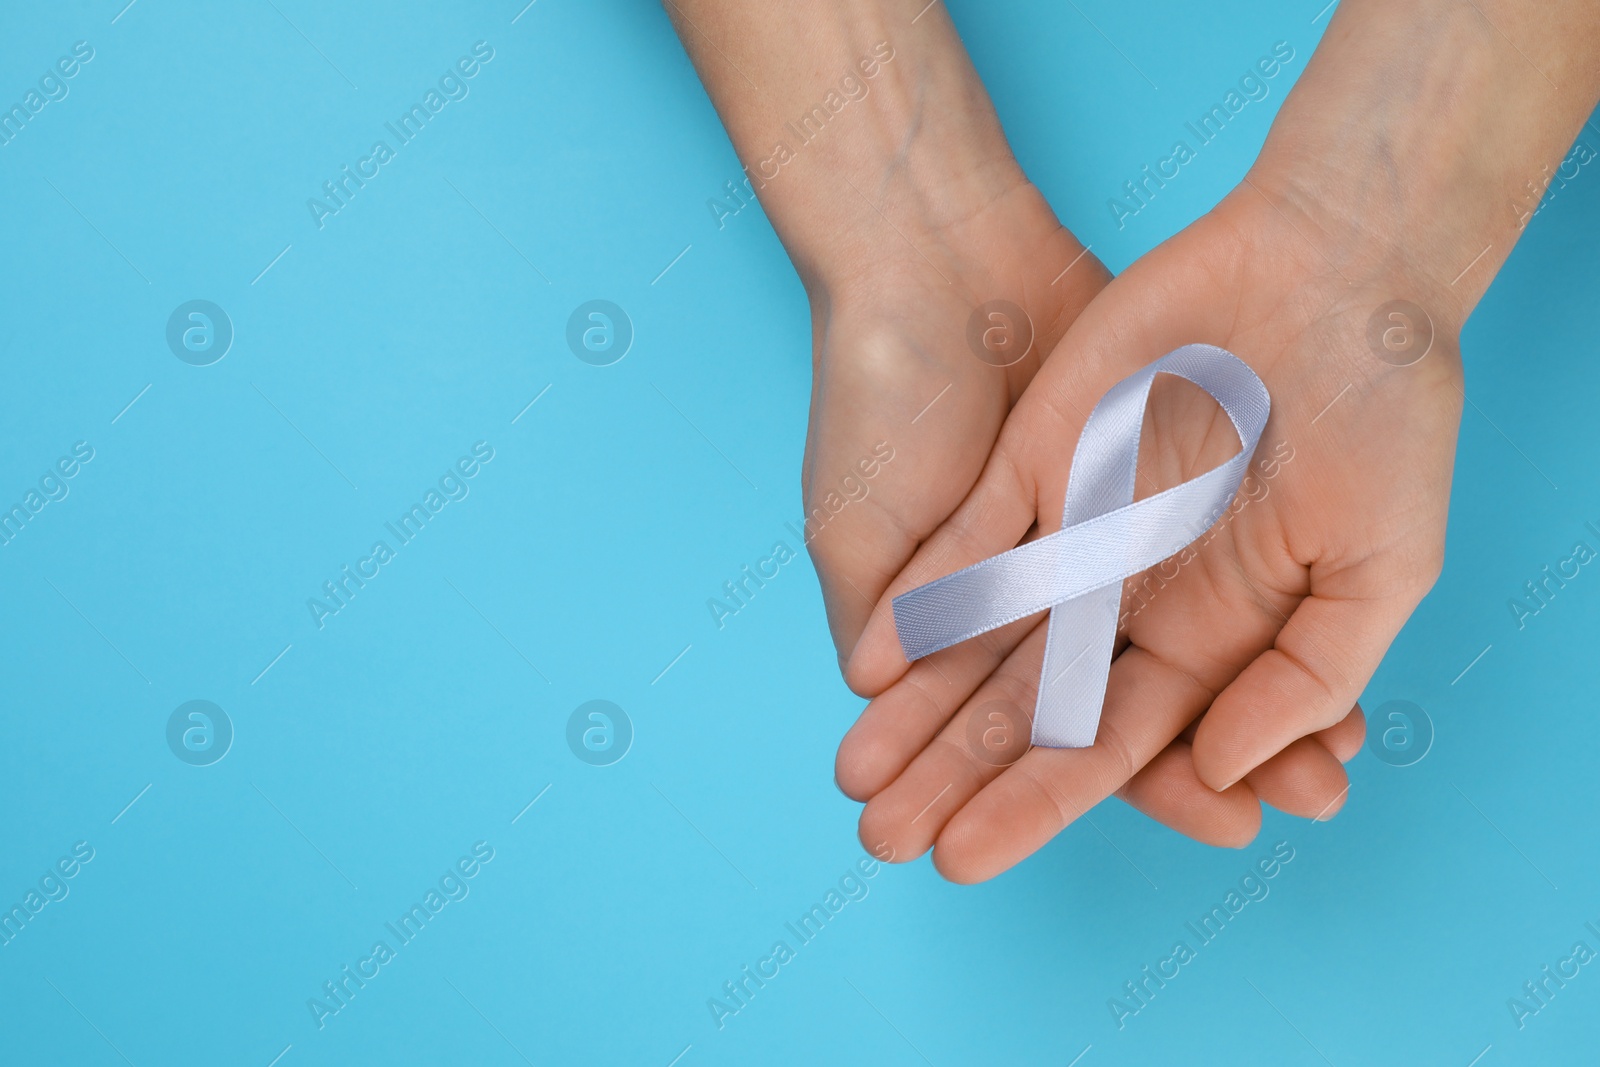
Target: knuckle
{"x":1124,"y":765}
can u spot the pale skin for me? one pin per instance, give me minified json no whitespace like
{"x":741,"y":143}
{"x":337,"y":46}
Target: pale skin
{"x":1394,"y":171}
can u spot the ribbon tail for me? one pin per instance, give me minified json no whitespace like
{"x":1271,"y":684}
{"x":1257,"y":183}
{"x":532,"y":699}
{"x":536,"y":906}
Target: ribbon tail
{"x":1077,"y":663}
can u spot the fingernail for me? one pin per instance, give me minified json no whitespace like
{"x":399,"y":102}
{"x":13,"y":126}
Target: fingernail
{"x":1323,"y":816}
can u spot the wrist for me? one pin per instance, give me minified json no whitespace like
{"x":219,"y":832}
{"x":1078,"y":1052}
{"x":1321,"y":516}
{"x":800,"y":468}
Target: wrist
{"x":868,"y":207}
{"x":883,"y":126}
{"x":1406,"y":152}
{"x":894,"y":172}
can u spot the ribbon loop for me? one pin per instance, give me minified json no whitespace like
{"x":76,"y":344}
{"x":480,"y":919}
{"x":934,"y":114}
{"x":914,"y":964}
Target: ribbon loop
{"x":1077,"y":572}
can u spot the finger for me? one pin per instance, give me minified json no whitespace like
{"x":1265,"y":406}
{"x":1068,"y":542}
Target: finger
{"x":875,"y":487}
{"x":906,"y":717}
{"x":1170,"y":792}
{"x":902,"y":720}
{"x":910,"y":812}
{"x":1147,"y":704}
{"x":993,"y":518}
{"x":1308,"y":680}
{"x":1298,"y":782}
{"x":1345,"y":739}
{"x":1304,"y":779}
{"x":852,"y":578}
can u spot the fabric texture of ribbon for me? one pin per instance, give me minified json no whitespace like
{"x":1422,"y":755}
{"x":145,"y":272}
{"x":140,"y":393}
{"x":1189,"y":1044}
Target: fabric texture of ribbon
{"x":1077,"y":572}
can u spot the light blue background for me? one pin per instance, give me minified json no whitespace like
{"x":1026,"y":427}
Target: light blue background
{"x":377,"y":750}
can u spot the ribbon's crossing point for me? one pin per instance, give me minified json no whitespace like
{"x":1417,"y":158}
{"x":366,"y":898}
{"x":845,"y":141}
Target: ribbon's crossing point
{"x":1077,"y":572}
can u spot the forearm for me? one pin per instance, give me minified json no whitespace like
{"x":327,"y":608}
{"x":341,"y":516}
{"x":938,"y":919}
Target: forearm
{"x":1417,"y":143}
{"x":849,"y":117}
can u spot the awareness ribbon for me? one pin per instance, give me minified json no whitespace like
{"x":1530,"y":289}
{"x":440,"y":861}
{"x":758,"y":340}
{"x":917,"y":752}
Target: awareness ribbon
{"x":1077,"y":572}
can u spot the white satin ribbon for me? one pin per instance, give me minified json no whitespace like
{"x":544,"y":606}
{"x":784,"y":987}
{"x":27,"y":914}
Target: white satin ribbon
{"x":1077,"y":572}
